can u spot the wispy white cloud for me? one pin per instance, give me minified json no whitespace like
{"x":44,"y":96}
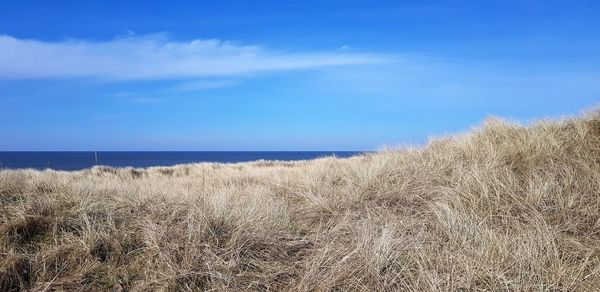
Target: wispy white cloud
{"x":156,"y":57}
{"x":200,"y":85}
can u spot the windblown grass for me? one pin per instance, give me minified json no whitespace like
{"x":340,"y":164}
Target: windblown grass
{"x":505,"y":207}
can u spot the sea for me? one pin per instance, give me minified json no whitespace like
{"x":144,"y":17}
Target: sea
{"x":77,"y":160}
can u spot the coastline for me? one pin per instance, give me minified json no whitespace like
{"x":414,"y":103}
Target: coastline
{"x":80,"y":160}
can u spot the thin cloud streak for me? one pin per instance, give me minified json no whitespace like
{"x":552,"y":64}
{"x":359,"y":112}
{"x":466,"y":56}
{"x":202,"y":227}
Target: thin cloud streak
{"x":156,"y":57}
{"x":200,"y":85}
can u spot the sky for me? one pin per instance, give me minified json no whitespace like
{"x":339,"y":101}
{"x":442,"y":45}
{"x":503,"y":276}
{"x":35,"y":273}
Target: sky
{"x":286,"y":75}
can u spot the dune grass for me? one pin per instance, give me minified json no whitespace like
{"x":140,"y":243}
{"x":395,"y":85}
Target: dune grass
{"x":504,"y":207}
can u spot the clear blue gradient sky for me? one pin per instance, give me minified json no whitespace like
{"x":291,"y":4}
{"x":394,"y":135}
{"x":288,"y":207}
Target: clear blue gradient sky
{"x":285,"y":75}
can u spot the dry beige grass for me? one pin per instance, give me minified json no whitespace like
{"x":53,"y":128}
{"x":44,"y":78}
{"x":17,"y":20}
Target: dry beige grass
{"x":505,"y":207}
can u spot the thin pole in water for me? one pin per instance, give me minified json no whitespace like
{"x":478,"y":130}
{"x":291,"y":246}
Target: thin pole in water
{"x":96,"y":156}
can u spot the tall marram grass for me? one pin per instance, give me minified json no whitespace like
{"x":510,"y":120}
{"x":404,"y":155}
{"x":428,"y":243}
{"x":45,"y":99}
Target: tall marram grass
{"x":505,"y":207}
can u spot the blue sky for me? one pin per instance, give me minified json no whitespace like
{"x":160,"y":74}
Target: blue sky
{"x":285,"y":75}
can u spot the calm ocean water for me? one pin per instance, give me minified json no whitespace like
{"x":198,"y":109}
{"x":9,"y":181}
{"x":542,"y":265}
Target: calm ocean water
{"x":82,"y":160}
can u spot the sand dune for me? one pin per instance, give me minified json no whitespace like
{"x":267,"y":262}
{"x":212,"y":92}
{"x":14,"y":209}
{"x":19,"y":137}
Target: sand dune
{"x":504,"y":207}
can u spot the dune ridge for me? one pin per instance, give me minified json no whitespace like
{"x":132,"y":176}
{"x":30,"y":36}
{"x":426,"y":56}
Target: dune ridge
{"x":504,"y":207}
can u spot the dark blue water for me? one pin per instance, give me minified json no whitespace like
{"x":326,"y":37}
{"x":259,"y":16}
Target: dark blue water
{"x":82,"y":160}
